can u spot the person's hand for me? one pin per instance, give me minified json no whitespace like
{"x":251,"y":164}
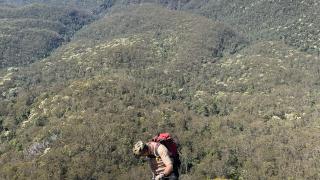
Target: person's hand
{"x":160,"y":176}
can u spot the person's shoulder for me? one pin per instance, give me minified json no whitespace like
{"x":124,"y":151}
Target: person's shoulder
{"x":162,"y":149}
{"x":152,"y":143}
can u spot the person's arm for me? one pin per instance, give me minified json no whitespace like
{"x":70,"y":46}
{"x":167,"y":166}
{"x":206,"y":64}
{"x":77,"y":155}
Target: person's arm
{"x":168,"y":170}
{"x":164,"y":155}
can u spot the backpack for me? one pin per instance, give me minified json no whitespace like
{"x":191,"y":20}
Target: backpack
{"x":172,"y":146}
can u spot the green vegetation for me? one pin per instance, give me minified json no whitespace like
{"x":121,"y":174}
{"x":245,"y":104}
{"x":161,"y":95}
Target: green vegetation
{"x":65,"y":3}
{"x":294,"y":22}
{"x":243,"y":106}
{"x":32,"y":32}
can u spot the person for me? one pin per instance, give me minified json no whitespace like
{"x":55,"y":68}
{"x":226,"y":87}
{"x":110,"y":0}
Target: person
{"x":159,"y":159}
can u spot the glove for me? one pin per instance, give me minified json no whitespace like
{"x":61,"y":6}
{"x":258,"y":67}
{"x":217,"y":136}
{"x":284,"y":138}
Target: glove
{"x":160,"y":176}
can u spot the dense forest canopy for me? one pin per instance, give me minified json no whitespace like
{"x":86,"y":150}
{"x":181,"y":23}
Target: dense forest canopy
{"x":31,"y":32}
{"x":236,"y":81}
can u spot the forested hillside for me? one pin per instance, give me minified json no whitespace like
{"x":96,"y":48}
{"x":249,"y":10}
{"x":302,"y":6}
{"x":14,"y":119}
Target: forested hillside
{"x":294,"y":22}
{"x":234,"y":81}
{"x":31,"y":32}
{"x":79,"y":3}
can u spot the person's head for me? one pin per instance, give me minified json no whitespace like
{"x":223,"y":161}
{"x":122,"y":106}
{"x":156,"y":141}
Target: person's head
{"x":140,"y":149}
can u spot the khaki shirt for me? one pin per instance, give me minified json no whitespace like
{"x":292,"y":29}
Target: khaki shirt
{"x":162,"y":159}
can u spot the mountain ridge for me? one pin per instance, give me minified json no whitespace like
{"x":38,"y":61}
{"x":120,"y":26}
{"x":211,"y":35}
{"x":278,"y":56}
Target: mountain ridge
{"x":241,"y":109}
